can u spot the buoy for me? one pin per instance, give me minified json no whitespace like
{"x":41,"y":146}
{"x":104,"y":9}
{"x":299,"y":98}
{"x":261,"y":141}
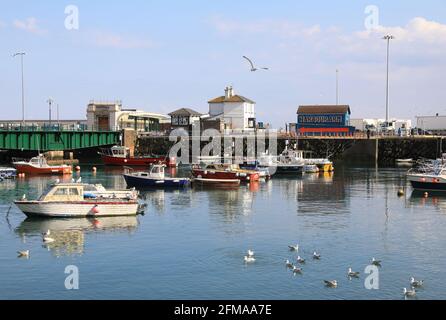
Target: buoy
{"x":400,"y":193}
{"x":426,"y":194}
{"x":78,"y":168}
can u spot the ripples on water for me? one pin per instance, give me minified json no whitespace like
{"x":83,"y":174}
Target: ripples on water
{"x":190,"y":243}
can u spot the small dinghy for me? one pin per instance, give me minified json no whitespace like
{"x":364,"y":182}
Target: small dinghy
{"x":154,"y":179}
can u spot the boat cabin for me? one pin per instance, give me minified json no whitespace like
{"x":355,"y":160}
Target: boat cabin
{"x":120,"y":152}
{"x":39,"y":161}
{"x":64,"y":192}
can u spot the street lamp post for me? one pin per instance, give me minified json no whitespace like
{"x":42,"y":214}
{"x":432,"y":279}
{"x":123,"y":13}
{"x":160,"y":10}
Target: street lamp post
{"x":50,"y":102}
{"x":387,"y":38}
{"x":337,"y":87}
{"x":21,"y":54}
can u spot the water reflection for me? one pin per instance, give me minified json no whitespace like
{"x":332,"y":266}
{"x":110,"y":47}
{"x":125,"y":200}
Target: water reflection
{"x":69,"y":234}
{"x":433,"y":199}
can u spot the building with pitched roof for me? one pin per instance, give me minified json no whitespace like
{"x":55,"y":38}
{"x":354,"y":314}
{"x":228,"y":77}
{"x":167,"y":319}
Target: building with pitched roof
{"x":236,"y":112}
{"x":324,"y":120}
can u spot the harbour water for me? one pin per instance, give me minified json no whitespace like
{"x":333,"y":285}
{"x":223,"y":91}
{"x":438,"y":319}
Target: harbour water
{"x":190,"y":244}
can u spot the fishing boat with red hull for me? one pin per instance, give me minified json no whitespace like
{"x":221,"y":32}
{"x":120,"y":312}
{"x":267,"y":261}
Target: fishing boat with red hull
{"x":120,"y":156}
{"x":38,"y":165}
{"x":224,"y":172}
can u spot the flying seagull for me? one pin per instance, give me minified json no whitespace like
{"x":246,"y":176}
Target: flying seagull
{"x":250,"y":253}
{"x":294,"y":248}
{"x":253,"y":68}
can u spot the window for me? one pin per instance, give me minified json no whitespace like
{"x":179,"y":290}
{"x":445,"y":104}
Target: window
{"x":61,"y":192}
{"x":74,"y":192}
{"x":175,"y":121}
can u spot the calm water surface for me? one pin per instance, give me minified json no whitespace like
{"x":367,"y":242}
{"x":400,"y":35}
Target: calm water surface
{"x":190,"y":244}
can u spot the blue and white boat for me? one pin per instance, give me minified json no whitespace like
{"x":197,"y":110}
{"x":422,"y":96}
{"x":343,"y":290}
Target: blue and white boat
{"x":154,"y":179}
{"x":7,"y":173}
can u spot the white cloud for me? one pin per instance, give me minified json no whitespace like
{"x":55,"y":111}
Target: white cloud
{"x":121,"y":42}
{"x":29,"y":25}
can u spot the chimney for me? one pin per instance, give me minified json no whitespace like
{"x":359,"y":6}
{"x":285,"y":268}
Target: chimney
{"x":227,"y":93}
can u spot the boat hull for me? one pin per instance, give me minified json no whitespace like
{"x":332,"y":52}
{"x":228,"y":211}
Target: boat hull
{"x":29,"y":169}
{"x":427,"y":182}
{"x":136,"y":161}
{"x":225,"y":175}
{"x":146,"y":182}
{"x":77,"y":209}
{"x":288,"y":169}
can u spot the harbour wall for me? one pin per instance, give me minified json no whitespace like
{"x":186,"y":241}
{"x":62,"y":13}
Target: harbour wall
{"x":382,"y":150}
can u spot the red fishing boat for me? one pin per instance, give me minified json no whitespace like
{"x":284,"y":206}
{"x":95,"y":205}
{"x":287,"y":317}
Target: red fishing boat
{"x":38,"y":165}
{"x":120,"y":156}
{"x":224,"y":172}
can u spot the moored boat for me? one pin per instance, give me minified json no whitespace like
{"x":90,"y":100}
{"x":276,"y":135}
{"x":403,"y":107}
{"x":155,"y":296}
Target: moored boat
{"x":154,"y":179}
{"x":120,"y":156}
{"x":311,"y":168}
{"x":38,"y":165}
{"x":70,"y":200}
{"x":288,"y":162}
{"x":428,"y":175}
{"x":7,"y":173}
{"x":224,"y":172}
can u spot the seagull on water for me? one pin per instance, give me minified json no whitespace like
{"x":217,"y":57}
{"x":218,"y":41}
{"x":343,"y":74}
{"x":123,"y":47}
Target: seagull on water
{"x":297,"y":270}
{"x":294,"y":248}
{"x":409,"y":293}
{"x":331,"y":283}
{"x":376,"y":262}
{"x":300,"y":260}
{"x":316,"y":255}
{"x":253,"y":68}
{"x":249,"y":259}
{"x":416,"y":283}
{"x":47,"y":233}
{"x":289,"y":264}
{"x":24,"y":197}
{"x":250,"y":253}
{"x":47,"y":239}
{"x":23,"y":254}
{"x":353,"y":274}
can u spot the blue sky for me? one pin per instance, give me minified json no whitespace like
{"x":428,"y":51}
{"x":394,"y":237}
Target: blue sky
{"x":163,"y":55}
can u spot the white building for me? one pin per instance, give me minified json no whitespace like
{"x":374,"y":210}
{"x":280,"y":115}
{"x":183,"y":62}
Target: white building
{"x":237,"y":112}
{"x":108,"y":116}
{"x":378,"y":125}
{"x":435,"y":124}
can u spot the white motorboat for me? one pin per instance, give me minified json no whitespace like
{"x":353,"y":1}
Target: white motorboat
{"x":71,"y":200}
{"x":429,"y":175}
